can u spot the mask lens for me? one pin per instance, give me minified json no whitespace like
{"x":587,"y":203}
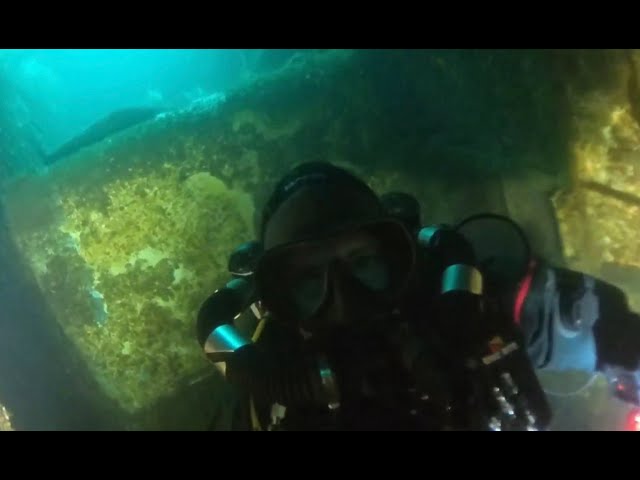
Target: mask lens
{"x":294,"y":280}
{"x":371,"y":270}
{"x":307,"y":290}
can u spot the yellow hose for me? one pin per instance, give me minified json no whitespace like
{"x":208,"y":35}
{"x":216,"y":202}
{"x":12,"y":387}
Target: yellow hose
{"x":259,"y":329}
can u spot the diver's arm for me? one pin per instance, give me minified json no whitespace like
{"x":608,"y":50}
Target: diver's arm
{"x":272,"y":368}
{"x":570,"y":320}
{"x":573,"y":321}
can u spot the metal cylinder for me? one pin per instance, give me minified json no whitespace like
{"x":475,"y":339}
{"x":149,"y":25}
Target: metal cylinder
{"x":223,"y":341}
{"x":461,"y":277}
{"x":426,"y":234}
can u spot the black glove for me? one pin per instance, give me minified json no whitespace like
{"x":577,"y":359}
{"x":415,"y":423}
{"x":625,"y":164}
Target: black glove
{"x":617,"y":335}
{"x":617,"y":331}
{"x":624,"y":384}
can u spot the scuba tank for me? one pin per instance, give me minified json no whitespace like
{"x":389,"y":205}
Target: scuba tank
{"x":491,"y":381}
{"x":472,"y":367}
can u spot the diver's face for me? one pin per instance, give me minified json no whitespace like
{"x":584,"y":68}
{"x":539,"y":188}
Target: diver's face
{"x":329,"y":268}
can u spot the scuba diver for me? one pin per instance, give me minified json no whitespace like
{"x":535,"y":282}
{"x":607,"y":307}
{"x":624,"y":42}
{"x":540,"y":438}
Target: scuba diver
{"x":366,"y":320}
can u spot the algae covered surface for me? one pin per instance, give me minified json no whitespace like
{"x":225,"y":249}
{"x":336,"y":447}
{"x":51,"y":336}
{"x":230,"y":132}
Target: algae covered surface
{"x":128,"y":237}
{"x":5,"y":420}
{"x":126,"y":274}
{"x":599,"y":211}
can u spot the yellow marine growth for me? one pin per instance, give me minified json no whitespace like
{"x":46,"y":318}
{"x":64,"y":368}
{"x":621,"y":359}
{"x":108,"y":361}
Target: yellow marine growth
{"x":599,"y":215}
{"x":5,"y":420}
{"x":126,"y":275}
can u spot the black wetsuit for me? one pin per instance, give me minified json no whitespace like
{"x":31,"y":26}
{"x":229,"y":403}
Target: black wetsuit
{"x":569,"y":321}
